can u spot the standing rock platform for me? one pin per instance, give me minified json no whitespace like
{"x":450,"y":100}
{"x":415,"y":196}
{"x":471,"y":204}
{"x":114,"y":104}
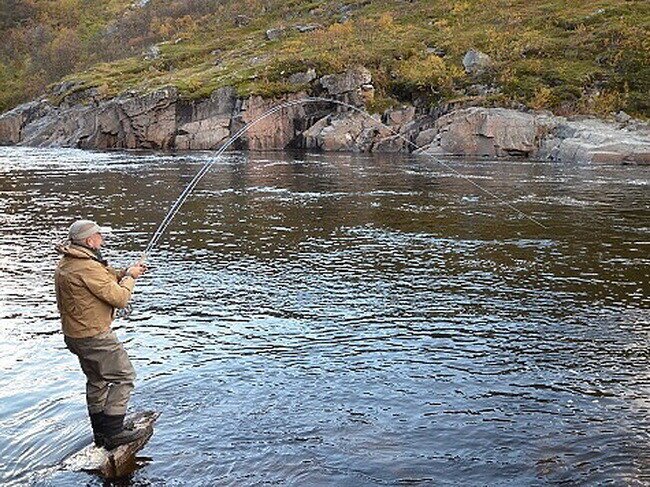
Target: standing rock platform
{"x":119,"y":461}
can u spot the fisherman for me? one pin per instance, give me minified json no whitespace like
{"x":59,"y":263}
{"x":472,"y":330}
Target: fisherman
{"x":88,"y":292}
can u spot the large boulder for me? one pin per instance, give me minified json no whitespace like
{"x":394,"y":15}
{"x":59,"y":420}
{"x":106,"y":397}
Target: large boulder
{"x":492,"y":132}
{"x":346,"y":131}
{"x":353,"y":86}
{"x":476,"y":62}
{"x":205,"y":134}
{"x":399,"y":117}
{"x":402,"y":127}
{"x":426,"y":137}
{"x":11,"y":125}
{"x":596,"y":141}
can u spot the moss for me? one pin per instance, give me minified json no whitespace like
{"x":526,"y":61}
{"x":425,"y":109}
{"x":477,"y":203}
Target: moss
{"x":379,"y":104}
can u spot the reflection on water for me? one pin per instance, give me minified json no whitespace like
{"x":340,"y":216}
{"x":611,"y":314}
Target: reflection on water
{"x":341,"y":320}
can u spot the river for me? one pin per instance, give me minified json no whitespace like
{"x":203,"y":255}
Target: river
{"x":348,"y":320}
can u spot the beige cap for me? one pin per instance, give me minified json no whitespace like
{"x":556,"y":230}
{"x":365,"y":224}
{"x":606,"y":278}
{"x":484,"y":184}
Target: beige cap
{"x":82,"y":229}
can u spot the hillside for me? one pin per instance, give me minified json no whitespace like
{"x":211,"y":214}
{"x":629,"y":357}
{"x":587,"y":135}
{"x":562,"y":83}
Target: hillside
{"x":589,"y":57}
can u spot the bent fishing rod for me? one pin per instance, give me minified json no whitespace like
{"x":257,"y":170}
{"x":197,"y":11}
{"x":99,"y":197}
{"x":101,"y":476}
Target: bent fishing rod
{"x":173,"y":210}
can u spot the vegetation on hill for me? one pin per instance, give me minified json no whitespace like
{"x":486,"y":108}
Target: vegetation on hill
{"x":583,"y":56}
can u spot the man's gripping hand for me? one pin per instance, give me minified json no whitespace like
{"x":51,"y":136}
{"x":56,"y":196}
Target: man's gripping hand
{"x":136,"y":270}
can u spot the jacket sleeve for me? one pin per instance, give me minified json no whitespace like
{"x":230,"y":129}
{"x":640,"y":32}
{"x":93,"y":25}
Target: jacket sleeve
{"x":103,"y":285}
{"x":119,"y":273}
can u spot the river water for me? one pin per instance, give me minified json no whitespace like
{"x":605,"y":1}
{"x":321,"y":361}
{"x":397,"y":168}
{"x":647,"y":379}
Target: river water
{"x":354,"y":320}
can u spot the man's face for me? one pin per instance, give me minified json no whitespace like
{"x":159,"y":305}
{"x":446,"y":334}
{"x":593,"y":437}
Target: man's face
{"x":95,"y":241}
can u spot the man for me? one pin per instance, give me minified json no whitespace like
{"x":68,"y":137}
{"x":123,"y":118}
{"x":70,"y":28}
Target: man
{"x":88,"y":291}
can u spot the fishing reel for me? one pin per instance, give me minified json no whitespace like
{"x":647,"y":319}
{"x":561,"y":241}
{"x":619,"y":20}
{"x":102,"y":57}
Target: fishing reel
{"x":124,"y":312}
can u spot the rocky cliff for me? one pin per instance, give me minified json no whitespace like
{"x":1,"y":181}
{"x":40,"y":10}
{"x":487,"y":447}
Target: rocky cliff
{"x":163,"y":120}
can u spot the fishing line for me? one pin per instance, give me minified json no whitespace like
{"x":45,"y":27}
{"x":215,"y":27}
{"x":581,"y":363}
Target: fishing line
{"x":164,"y":224}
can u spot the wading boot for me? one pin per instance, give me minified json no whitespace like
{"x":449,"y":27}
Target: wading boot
{"x":97,"y":423}
{"x":116,"y":434}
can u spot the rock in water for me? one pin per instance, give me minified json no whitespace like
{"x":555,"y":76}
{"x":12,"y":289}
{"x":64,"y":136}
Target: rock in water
{"x":487,"y":132}
{"x":119,"y":461}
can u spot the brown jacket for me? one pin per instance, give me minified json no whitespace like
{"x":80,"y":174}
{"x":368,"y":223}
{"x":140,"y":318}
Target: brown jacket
{"x":87,"y":292}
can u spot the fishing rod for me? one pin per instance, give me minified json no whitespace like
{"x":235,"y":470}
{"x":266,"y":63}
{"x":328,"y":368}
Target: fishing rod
{"x":173,"y":210}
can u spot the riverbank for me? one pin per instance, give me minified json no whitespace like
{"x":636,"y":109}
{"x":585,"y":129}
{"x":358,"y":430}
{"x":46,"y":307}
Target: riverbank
{"x":163,"y":119}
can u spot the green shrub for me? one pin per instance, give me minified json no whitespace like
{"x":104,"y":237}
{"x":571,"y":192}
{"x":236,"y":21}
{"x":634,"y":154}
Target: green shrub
{"x":430,"y":75}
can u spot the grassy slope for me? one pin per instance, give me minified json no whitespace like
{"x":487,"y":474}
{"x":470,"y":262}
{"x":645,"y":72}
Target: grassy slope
{"x":583,"y":56}
{"x":42,"y":41}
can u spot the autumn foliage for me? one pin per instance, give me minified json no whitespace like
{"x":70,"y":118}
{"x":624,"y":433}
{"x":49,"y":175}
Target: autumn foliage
{"x":584,"y":56}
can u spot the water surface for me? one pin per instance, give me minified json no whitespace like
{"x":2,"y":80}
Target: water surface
{"x":317,"y":319}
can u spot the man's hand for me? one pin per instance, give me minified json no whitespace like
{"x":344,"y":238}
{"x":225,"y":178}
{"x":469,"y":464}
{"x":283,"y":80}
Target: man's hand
{"x":137,"y":270}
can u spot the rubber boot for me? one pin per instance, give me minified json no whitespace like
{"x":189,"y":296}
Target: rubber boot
{"x":97,"y":423}
{"x":115,"y":434}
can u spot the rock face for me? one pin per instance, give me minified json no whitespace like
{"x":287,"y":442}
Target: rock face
{"x":129,"y":121}
{"x":147,"y":121}
{"x":348,"y":132}
{"x":497,"y":132}
{"x":273,"y":132}
{"x":205,"y":124}
{"x":353,"y":87}
{"x":12,"y":123}
{"x":488,"y":132}
{"x":163,"y":120}
{"x":596,"y":141}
